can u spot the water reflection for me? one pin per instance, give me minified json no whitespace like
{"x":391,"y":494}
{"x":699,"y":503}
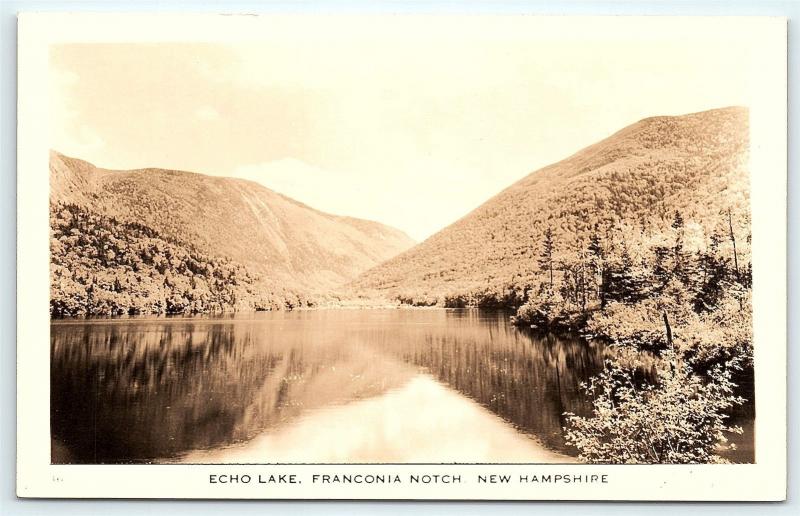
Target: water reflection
{"x":422,"y":421}
{"x":529,"y":381}
{"x":315,"y":386}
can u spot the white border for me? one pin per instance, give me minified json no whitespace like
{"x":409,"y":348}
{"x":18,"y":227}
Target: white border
{"x":765,"y":480}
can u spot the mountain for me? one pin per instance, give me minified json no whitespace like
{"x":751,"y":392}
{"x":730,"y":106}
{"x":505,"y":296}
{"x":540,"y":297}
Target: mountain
{"x":248,"y":246}
{"x":627,"y":188}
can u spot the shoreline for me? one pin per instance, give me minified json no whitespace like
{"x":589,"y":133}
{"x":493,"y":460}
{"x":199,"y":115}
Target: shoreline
{"x":232,"y":313}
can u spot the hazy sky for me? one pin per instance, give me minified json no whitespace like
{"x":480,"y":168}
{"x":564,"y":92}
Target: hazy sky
{"x":407,"y":123}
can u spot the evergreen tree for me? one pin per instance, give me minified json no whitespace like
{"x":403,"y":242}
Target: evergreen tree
{"x":678,"y":255}
{"x":598,"y":264}
{"x":662,"y":272}
{"x":712,"y":272}
{"x":621,"y":284}
{"x":546,"y":257}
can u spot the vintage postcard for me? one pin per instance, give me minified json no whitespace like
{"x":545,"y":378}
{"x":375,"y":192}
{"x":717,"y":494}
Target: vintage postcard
{"x":402,"y":257}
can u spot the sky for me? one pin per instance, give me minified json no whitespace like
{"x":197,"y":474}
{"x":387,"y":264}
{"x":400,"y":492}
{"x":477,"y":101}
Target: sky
{"x":410,"y":122}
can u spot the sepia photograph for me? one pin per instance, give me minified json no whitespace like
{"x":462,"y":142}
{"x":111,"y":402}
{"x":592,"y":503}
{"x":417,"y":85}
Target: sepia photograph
{"x":405,"y":240}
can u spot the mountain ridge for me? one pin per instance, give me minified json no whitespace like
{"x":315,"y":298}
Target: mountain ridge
{"x":290,"y":246}
{"x":639,"y":175}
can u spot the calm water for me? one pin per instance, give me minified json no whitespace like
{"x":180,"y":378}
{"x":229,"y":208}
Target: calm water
{"x":316,"y":386}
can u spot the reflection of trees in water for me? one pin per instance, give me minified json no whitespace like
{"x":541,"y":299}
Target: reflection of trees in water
{"x":123,"y":393}
{"x":526,"y":380}
{"x":154,"y":390}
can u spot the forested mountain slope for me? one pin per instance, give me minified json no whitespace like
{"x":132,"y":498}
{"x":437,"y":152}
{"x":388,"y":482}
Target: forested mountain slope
{"x":623,"y":191}
{"x":161,"y":240}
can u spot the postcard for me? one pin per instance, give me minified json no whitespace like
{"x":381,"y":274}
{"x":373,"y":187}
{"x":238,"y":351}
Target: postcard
{"x":455,"y":257}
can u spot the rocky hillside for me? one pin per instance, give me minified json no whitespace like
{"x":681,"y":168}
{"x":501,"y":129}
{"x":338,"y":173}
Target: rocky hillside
{"x":625,"y":189}
{"x":162,"y":240}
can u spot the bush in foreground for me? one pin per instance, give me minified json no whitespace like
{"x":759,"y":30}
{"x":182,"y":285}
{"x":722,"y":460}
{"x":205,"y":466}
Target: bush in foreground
{"x":678,"y":419}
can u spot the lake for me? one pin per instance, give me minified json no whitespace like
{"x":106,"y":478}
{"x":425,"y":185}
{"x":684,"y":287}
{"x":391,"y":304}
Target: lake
{"x":317,"y":386}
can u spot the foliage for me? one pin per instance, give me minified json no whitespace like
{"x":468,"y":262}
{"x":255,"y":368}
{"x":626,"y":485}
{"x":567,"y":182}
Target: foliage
{"x":703,"y":296}
{"x":679,"y":419}
{"x":707,"y":337}
{"x":294,"y":250}
{"x":621,"y":193}
{"x":101,"y":266}
{"x":720,"y":335}
{"x":541,"y":311}
{"x":638,"y":326}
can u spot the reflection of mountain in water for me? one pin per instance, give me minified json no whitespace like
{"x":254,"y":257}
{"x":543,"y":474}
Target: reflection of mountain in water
{"x":120,"y":395}
{"x":422,"y":421}
{"x":529,"y":381}
{"x":155,"y":389}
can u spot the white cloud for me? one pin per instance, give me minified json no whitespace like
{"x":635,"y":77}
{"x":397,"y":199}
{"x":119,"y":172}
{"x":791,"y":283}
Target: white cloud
{"x":206,"y":113}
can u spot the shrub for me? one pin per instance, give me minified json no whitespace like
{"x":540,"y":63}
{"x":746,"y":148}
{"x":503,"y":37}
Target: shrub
{"x":542,"y":311}
{"x":722,"y":335}
{"x":707,"y":338}
{"x":678,"y":419}
{"x":638,"y":326}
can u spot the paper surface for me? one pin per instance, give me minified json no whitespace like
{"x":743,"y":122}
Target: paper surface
{"x":408,"y":123}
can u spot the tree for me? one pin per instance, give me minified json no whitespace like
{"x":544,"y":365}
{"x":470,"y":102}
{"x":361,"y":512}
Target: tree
{"x":573,"y":289}
{"x":624,"y":282}
{"x":546,"y":257}
{"x":713,"y":273}
{"x":662,"y":272}
{"x":598,"y":264}
{"x":733,"y":243}
{"x":677,"y":248}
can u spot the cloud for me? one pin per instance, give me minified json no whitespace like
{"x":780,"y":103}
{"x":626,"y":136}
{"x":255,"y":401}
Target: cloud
{"x":206,"y":113}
